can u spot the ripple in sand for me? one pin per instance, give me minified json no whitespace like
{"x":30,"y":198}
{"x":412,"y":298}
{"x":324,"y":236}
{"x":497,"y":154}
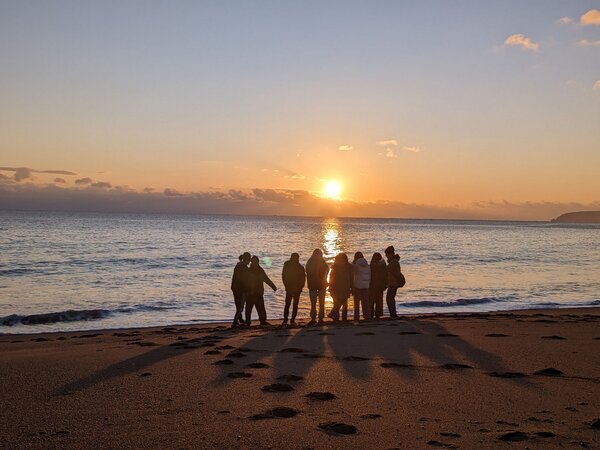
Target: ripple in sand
{"x":371,"y":416}
{"x":391,"y":365}
{"x":292,"y":350}
{"x":435,"y":443}
{"x":223,"y":362}
{"x":408,"y":333}
{"x":239,"y":375}
{"x":514,"y":436}
{"x":507,"y":374}
{"x":277,"y":387}
{"x":455,"y":366}
{"x":258,"y":365}
{"x":447,"y":335}
{"x":558,"y":338}
{"x":355,"y":358}
{"x":290,"y":377}
{"x":549,"y":372}
{"x":338,"y":428}
{"x":497,"y":335}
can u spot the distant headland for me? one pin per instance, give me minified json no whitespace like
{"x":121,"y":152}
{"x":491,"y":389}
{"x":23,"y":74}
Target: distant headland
{"x":579,"y":217}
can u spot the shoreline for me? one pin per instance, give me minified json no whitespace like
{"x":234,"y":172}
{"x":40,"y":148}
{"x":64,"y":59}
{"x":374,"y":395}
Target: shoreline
{"x":469,"y":380}
{"x":276,"y":323}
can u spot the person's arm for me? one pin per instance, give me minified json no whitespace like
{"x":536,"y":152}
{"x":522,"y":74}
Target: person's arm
{"x":303,"y":277}
{"x":325,"y":273}
{"x":267,"y":280}
{"x":284,"y":275}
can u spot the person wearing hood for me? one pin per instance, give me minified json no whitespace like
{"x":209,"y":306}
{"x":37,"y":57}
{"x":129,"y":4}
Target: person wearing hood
{"x":394,"y":279}
{"x":316,"y":279}
{"x":377,"y":284}
{"x":239,"y":287}
{"x":340,"y":286}
{"x":294,"y":278}
{"x":360,"y":286}
{"x":256,"y":289}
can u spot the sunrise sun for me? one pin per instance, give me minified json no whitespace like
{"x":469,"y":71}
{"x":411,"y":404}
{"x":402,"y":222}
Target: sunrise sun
{"x":332,"y":189}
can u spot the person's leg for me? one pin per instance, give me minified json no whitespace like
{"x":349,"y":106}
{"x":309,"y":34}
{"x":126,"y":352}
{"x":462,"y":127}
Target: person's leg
{"x":366,"y":304}
{"x":344,"y":303}
{"x":286,"y":309}
{"x":321,"y":296}
{"x":296,"y":299}
{"x":335,"y":309}
{"x":249,"y":305}
{"x":379,"y":303}
{"x":260,"y":309}
{"x":390,"y":299}
{"x":312,"y":294}
{"x":357,"y":297}
{"x":238,"y":298}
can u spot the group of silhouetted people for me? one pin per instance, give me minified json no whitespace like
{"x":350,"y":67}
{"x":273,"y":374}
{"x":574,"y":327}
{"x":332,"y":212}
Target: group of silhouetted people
{"x":365,"y":281}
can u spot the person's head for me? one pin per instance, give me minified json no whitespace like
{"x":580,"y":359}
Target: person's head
{"x":295,"y":257}
{"x":390,"y":251}
{"x":254,"y":261}
{"x":340,"y":258}
{"x":318,"y":253}
{"x":357,"y":256}
{"x":245,"y":257}
{"x":376,"y":257}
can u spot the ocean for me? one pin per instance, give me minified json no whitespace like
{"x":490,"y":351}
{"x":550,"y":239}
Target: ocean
{"x":82,"y":271}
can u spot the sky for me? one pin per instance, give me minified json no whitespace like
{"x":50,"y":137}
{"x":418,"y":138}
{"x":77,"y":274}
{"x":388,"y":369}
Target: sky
{"x":436,"y":109}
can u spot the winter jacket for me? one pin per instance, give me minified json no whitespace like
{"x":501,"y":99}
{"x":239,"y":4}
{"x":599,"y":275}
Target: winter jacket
{"x":239,"y":279}
{"x":256,"y":278}
{"x":362,"y":274}
{"x":341,"y":280}
{"x":293,"y":276}
{"x":393,"y":270}
{"x":378,"y":275}
{"x":316,"y":272}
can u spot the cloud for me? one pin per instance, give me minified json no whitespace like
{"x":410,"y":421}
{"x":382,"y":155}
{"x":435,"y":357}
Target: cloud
{"x":148,"y":190}
{"x":101,"y":184}
{"x":388,"y":143}
{"x":390,"y":153}
{"x":522,"y":41}
{"x":586,"y":43}
{"x":29,"y":196}
{"x":564,"y":20}
{"x":83,"y":181}
{"x":60,"y":180}
{"x":596,"y":86}
{"x":592,"y":17}
{"x":24,"y":173}
{"x":411,"y":149}
{"x":295,"y":176}
{"x":345,"y":148}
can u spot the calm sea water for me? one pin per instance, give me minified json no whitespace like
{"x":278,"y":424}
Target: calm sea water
{"x":91,"y":271}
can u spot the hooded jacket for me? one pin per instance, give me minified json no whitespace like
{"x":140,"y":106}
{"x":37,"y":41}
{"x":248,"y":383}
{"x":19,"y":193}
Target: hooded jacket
{"x":341,"y":279}
{"x":378,"y":275}
{"x":362,"y":274}
{"x":293,"y":276}
{"x":316,"y":272}
{"x":256,"y":277}
{"x":394,"y":273}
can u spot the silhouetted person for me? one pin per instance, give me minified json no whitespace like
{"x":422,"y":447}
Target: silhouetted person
{"x":256,"y":290}
{"x":377,"y":285}
{"x":316,"y":279}
{"x":294,"y":278}
{"x":360,"y":286}
{"x":239,"y":286}
{"x":394,"y":279}
{"x":340,"y":286}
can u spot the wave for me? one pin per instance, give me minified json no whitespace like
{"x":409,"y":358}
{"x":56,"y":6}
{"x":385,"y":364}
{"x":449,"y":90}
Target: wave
{"x":75,"y":315}
{"x":457,"y":302}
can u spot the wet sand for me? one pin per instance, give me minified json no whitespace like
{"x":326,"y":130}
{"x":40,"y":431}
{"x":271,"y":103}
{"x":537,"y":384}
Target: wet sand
{"x":491,"y":380}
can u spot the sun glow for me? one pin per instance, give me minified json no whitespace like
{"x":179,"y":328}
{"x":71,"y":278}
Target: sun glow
{"x":332,"y":189}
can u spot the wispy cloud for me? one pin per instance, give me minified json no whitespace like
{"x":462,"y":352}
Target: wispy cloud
{"x":411,"y":149}
{"x":101,"y":184}
{"x":84,"y":181}
{"x":520,"y":40}
{"x":564,"y":20}
{"x":60,"y":180}
{"x":592,"y":17}
{"x":24,"y":173}
{"x":586,"y":43}
{"x":388,"y":143}
{"x":345,"y":148}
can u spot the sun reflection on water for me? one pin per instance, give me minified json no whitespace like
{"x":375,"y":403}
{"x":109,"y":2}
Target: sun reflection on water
{"x":332,"y":245}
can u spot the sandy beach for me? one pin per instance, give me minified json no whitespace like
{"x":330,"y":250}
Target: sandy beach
{"x":523,"y":379}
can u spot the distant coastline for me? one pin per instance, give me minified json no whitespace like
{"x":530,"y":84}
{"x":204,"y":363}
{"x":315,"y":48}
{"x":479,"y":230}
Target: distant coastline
{"x":579,"y":217}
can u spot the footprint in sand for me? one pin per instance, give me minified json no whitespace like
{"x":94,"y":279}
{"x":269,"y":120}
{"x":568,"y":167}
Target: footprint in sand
{"x":292,"y":350}
{"x":223,"y":362}
{"x":145,"y":374}
{"x":435,"y":443}
{"x":507,"y":374}
{"x":212,"y":352}
{"x":338,"y":428}
{"x":40,"y":339}
{"x":282,"y":412}
{"x":371,"y":416}
{"x":322,"y":396}
{"x":277,"y":387}
{"x":365,"y":333}
{"x":226,"y":347}
{"x":549,"y":372}
{"x":408,"y":333}
{"x":290,"y":377}
{"x":236,"y":354}
{"x":514,"y":436}
{"x":327,"y":333}
{"x":558,"y":338}
{"x":447,"y":335}
{"x":497,"y":335}
{"x":258,"y":365}
{"x":456,"y":366}
{"x":239,"y":375}
{"x":595,"y":424}
{"x":391,"y":365}
{"x":308,"y":356}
